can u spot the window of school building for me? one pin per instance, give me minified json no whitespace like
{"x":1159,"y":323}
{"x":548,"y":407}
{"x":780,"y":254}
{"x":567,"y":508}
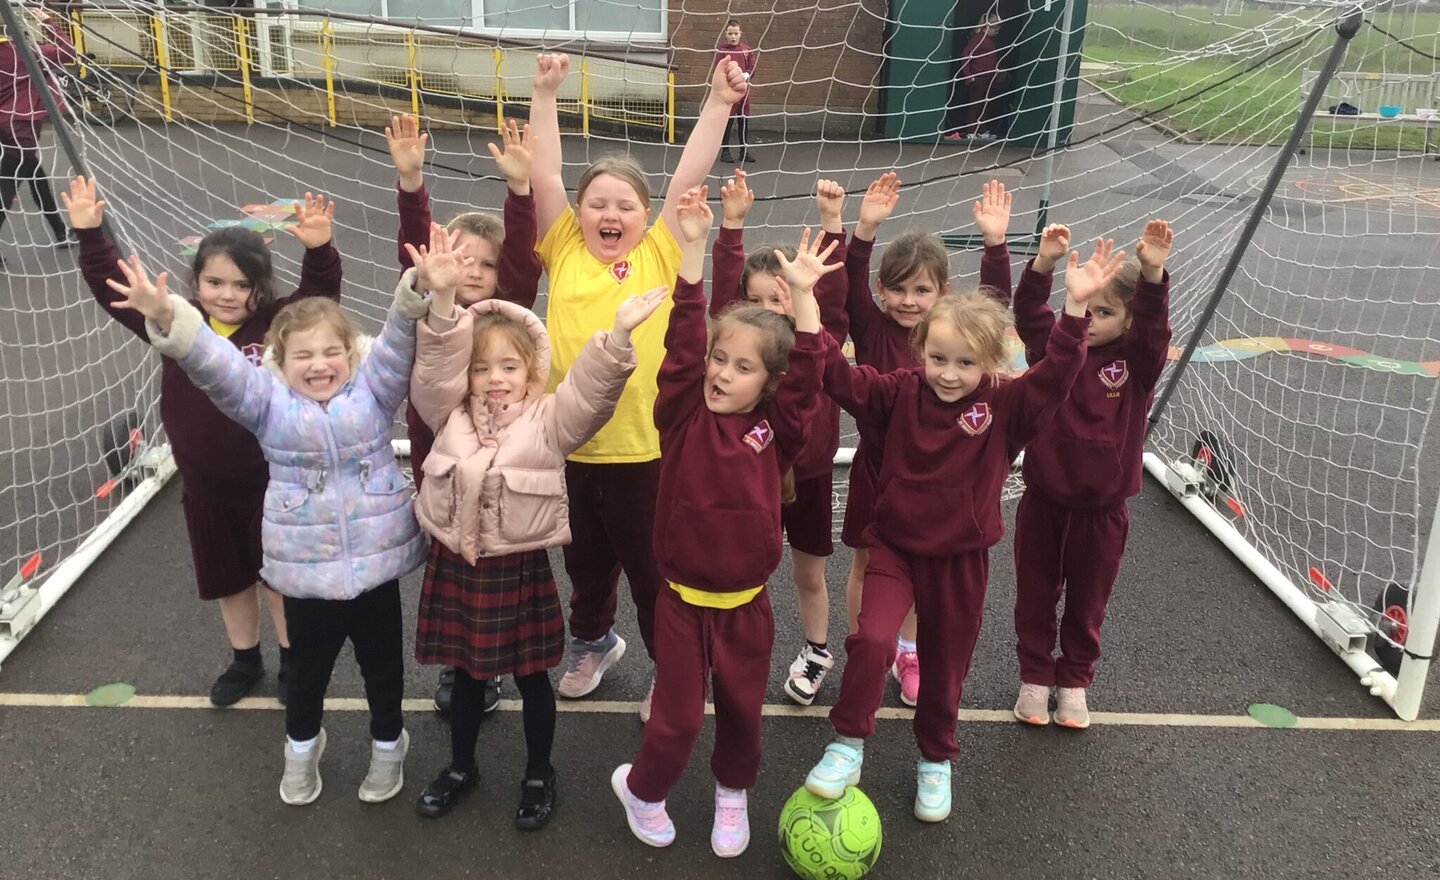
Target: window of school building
{"x":628,"y":19}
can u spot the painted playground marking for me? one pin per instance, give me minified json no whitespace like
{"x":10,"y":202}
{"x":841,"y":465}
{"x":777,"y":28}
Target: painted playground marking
{"x":612,"y":707}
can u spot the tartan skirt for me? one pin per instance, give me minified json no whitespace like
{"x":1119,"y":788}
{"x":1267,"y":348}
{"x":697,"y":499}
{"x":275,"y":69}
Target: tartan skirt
{"x":498,"y":617}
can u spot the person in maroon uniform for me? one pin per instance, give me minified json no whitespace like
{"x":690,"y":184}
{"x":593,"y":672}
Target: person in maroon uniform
{"x":1072,"y":522}
{"x":22,"y":115}
{"x":505,"y":267}
{"x":951,"y":428}
{"x":733,"y":413}
{"x":980,"y":82}
{"x":222,"y":469}
{"x":914,"y":273}
{"x":807,"y":513}
{"x":731,"y":48}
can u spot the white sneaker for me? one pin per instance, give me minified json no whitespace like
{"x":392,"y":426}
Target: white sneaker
{"x":1033,"y":704}
{"x":730,"y":834}
{"x":806,"y":674}
{"x":387,"y":771}
{"x":301,"y":783}
{"x":587,"y":662}
{"x":1070,"y":708}
{"x":649,"y":822}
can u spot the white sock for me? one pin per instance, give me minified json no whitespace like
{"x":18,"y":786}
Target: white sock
{"x":302,"y":748}
{"x":904,"y":646}
{"x":722,"y":791}
{"x":390,"y":746}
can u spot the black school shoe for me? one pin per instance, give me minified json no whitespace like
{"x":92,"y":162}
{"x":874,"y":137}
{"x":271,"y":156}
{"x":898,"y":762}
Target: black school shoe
{"x":235,"y":682}
{"x":445,"y":690}
{"x":440,"y":795}
{"x":537,"y":802}
{"x":725,"y":155}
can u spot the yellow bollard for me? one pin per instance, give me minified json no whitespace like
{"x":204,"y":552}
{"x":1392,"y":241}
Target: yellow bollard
{"x":585,"y":97}
{"x":670,"y":104}
{"x":242,"y":44}
{"x":412,"y":74}
{"x":327,"y":44}
{"x":498,"y":57}
{"x":162,"y":62}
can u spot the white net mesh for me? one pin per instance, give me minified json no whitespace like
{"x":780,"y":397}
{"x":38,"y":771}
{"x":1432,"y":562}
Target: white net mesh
{"x":1176,"y":111}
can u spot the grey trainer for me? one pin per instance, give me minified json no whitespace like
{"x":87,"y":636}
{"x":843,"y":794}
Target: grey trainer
{"x":301,"y":783}
{"x":387,"y":772}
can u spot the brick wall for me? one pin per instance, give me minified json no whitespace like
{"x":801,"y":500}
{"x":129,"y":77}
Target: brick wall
{"x":819,"y":59}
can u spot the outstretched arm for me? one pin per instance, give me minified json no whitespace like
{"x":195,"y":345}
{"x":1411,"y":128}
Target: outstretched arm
{"x":992,"y":217}
{"x":545,"y":176}
{"x":727,"y":87}
{"x":98,"y":256}
{"x":1150,"y":329}
{"x":518,"y":275}
{"x":1034,"y":318}
{"x":320,"y":269}
{"x":682,"y":372}
{"x":727,"y":256}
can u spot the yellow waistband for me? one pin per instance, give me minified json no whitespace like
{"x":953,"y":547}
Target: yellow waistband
{"x":707,"y":599}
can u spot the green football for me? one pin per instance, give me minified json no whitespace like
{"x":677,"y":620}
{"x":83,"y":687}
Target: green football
{"x":830,"y":840}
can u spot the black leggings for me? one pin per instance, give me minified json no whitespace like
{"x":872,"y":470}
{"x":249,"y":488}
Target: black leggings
{"x":19,"y":163}
{"x":467,"y":708}
{"x":741,"y":125}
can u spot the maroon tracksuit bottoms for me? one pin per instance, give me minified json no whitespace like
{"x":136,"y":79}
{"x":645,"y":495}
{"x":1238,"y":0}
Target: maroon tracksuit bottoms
{"x":612,"y":527}
{"x":728,"y":649}
{"x":1077,"y":552}
{"x":948,"y":593}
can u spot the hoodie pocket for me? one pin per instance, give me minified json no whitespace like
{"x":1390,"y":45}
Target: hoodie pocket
{"x":712,"y":545}
{"x":531,"y":503}
{"x":921,"y":518}
{"x":1073,"y":470}
{"x":437,"y":502}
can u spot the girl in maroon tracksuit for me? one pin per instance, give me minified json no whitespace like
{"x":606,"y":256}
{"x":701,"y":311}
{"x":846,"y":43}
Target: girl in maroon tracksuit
{"x":1072,"y":522}
{"x":223,"y":472}
{"x":22,"y":115}
{"x":980,"y":82}
{"x":951,"y":427}
{"x":914,"y":273}
{"x":733,"y":413}
{"x":505,"y":267}
{"x":807,"y":512}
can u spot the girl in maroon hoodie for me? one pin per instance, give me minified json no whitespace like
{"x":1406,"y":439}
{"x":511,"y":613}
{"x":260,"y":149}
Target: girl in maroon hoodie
{"x":22,"y":115}
{"x":980,"y":82}
{"x":951,"y":427}
{"x":807,"y":515}
{"x":733,"y":413}
{"x":914,"y":273}
{"x":1072,"y":522}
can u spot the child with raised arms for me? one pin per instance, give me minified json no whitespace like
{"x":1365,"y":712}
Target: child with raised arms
{"x":339,"y":525}
{"x":504,"y":266}
{"x":1071,"y":526}
{"x":951,"y":426}
{"x":222,"y":470}
{"x":806,"y":515}
{"x":597,"y":254}
{"x":734,"y":410}
{"x":494,"y":500}
{"x":914,"y":274}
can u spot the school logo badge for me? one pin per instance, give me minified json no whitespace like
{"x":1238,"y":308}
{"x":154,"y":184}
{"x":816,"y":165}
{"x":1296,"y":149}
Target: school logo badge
{"x":1114,"y":374}
{"x":620,"y":271}
{"x":254,"y":353}
{"x":976,"y":419}
{"x":758,"y":437}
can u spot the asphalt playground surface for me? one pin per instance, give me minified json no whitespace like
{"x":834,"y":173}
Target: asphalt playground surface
{"x":1173,"y":779}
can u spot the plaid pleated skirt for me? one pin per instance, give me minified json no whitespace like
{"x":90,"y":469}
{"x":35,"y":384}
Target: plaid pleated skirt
{"x":498,"y":617}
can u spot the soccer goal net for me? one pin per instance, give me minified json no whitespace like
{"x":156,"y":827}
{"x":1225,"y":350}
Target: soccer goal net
{"x":1299,"y":422}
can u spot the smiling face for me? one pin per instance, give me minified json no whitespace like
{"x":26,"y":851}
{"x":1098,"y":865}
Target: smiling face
{"x":735,"y":374}
{"x":479,"y":282}
{"x":499,"y":372}
{"x":952,"y":368}
{"x":316,"y":361}
{"x":1109,"y":319}
{"x":224,"y":291}
{"x":612,"y":217}
{"x":763,"y":289}
{"x":908,"y":301}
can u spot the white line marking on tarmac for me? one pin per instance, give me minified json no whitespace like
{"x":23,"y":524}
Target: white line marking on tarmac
{"x":611,"y":707}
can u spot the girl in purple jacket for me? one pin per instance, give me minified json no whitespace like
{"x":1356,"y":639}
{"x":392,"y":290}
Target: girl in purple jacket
{"x":951,"y":426}
{"x":1071,"y":526}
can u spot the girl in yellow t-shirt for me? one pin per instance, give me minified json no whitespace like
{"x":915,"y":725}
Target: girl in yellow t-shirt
{"x":597,"y":254}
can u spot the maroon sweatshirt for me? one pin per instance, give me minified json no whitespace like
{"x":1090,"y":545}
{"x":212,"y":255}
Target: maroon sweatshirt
{"x":21,"y":108}
{"x":1091,"y":454}
{"x":944,"y":464}
{"x":727,"y":257}
{"x":717,"y":512}
{"x":517,"y":280}
{"x":980,"y":57}
{"x":217,"y":458}
{"x":747,"y":58}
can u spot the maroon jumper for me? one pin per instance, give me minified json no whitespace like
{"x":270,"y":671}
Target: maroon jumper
{"x":885,"y":345}
{"x":747,"y":58}
{"x":981,"y":80}
{"x":1071,"y":528}
{"x":717,"y":530}
{"x":937,"y":515}
{"x":517,"y":280}
{"x":224,"y":473}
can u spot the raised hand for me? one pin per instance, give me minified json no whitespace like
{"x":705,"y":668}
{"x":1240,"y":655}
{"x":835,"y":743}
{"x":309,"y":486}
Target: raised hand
{"x":736,"y":197}
{"x":407,"y":149}
{"x":86,"y":209}
{"x":694,"y":215}
{"x":1153,"y":248}
{"x":1054,"y":244}
{"x":147,"y":297}
{"x":880,"y":199}
{"x":809,"y":263}
{"x":1084,"y":281}
{"x":518,"y":157}
{"x":992,"y":212}
{"x":830,"y":202}
{"x":633,"y":311}
{"x":550,"y":71}
{"x":313,"y":220}
{"x":729,"y":83}
{"x":439,"y":267}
